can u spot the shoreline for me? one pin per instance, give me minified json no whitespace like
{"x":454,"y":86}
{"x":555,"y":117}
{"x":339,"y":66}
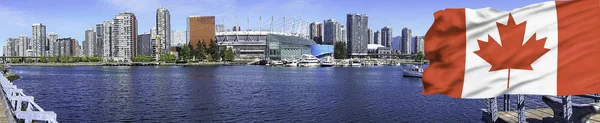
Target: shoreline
{"x":125,"y":64}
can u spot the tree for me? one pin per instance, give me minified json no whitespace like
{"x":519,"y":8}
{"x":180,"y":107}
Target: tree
{"x":214,"y":51}
{"x":43,"y":59}
{"x":340,"y":51}
{"x":229,"y":55}
{"x":52,"y":59}
{"x":15,"y":60}
{"x":200,"y":51}
{"x":84,"y":59}
{"x":169,"y":58}
{"x":420,"y":57}
{"x":185,"y":53}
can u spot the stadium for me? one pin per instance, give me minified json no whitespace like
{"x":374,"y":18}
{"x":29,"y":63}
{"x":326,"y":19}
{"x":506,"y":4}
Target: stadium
{"x":273,"y":44}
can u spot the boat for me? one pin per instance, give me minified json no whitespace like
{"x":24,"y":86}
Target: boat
{"x":355,"y":62}
{"x":276,"y":63}
{"x":327,"y":62}
{"x":308,"y":61}
{"x":413,"y":71}
{"x":292,"y":63}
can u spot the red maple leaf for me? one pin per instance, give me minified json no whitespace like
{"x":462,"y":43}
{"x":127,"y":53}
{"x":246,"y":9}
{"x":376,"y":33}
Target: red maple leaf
{"x":513,"y":53}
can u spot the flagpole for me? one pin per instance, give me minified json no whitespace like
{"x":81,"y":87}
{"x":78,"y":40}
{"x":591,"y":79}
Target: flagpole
{"x":508,"y":83}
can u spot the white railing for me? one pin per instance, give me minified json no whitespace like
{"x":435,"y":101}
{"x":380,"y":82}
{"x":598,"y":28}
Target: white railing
{"x":22,"y":107}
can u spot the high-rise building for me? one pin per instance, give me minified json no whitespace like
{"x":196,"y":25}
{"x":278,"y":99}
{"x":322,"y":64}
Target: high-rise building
{"x":343,"y":34}
{"x":89,"y":47}
{"x":163,"y":31}
{"x":77,"y":52}
{"x":125,"y":32}
{"x":419,"y":44}
{"x":154,"y":44}
{"x":377,"y":37}
{"x":357,"y":25}
{"x":178,"y":38}
{"x":108,"y":38}
{"x":405,"y":43}
{"x":11,"y":44}
{"x":200,"y":29}
{"x":99,"y":40}
{"x":143,"y":45}
{"x":23,"y":45}
{"x":66,"y":47}
{"x":52,"y":37}
{"x":370,"y":36}
{"x":38,"y":39}
{"x":330,"y":31}
{"x":386,"y":36}
{"x":85,"y":47}
{"x":315,"y":31}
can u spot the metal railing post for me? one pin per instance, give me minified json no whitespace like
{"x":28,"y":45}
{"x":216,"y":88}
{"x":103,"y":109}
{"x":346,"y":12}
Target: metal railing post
{"x":521,"y":108}
{"x":506,"y":102}
{"x":492,"y":107}
{"x":567,"y":109}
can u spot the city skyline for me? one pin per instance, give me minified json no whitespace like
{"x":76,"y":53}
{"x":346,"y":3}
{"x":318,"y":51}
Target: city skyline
{"x":77,"y":16}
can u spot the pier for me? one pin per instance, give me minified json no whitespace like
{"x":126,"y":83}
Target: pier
{"x":563,"y":109}
{"x":18,"y":107}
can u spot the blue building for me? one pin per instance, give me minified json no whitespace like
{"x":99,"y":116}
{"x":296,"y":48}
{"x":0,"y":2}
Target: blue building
{"x":321,"y":51}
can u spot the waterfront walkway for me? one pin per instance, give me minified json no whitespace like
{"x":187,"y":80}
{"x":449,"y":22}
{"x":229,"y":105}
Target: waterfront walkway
{"x":16,"y":106}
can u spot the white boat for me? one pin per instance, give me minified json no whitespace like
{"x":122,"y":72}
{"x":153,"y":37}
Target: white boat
{"x":355,"y":62}
{"x":413,"y":71}
{"x":308,"y":61}
{"x":292,"y":63}
{"x":327,"y":62}
{"x":276,"y":63}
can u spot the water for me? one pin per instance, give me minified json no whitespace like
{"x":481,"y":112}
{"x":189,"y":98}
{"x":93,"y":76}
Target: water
{"x":238,"y":94}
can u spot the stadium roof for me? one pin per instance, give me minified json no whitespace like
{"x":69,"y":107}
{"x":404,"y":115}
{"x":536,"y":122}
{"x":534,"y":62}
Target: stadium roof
{"x":290,"y":39}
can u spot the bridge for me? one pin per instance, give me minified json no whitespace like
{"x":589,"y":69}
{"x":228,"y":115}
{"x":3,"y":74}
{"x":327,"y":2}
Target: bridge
{"x":3,"y":58}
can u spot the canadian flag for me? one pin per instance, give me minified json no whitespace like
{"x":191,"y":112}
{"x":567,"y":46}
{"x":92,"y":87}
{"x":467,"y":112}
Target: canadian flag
{"x":549,"y":48}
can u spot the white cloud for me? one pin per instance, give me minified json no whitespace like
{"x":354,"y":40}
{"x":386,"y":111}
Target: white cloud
{"x":12,"y":16}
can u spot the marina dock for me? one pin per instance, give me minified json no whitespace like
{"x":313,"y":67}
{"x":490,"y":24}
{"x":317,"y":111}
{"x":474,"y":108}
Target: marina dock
{"x":562,"y":109}
{"x":534,"y":115}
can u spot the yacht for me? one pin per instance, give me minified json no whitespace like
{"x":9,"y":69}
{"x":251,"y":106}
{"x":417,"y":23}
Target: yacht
{"x":413,"y":71}
{"x":276,"y":63}
{"x":355,"y":62}
{"x":291,"y":63}
{"x":327,"y":62}
{"x":308,"y":61}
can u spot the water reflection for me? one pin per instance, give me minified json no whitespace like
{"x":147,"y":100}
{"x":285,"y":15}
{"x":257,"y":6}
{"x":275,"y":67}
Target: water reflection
{"x":238,"y":94}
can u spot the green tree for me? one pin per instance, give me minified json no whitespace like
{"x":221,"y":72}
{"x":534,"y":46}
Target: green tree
{"x":169,"y":58}
{"x":185,"y":53}
{"x":340,"y":50}
{"x":201,"y":50}
{"x":43,"y":59}
{"x":229,"y":55}
{"x":52,"y":59}
{"x":15,"y":60}
{"x":84,"y":59}
{"x":209,"y":58}
{"x":214,"y":51}
{"x":420,"y":57}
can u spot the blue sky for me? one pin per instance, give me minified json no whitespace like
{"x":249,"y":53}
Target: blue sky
{"x":70,"y":18}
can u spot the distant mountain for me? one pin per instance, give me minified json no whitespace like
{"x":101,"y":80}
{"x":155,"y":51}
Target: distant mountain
{"x":396,"y":42}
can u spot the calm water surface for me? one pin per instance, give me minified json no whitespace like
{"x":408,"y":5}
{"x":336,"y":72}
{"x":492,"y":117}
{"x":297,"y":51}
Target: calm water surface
{"x":238,"y":94}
